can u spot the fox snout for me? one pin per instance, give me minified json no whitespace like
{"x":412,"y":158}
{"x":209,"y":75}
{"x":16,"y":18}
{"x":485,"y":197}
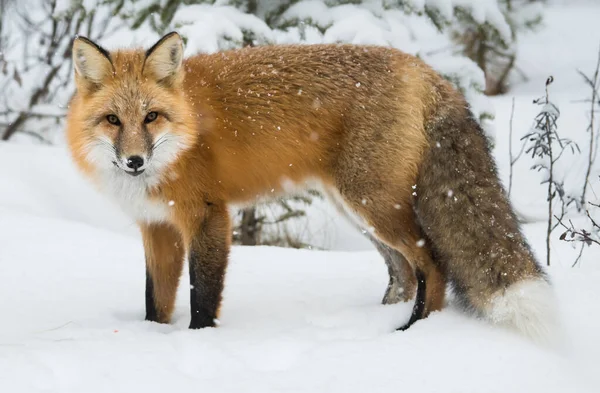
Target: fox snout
{"x":134,"y":165}
{"x":133,"y":150}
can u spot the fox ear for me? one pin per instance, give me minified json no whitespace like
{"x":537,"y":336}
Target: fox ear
{"x":164,"y":59}
{"x":92,"y":62}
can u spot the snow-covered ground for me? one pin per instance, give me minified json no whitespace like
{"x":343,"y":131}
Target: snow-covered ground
{"x":71,"y":300}
{"x":72,"y":286}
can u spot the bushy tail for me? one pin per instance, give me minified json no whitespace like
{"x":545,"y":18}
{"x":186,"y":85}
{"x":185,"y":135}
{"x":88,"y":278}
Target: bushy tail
{"x":463,"y":209}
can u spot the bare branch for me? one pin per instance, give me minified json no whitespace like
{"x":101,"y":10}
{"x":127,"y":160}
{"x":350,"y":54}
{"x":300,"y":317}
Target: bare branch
{"x":578,"y":256}
{"x":510,"y":155}
{"x":593,"y":83}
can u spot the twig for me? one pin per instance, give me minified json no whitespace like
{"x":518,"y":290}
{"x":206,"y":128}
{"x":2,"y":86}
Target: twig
{"x":578,"y":235}
{"x":593,"y":84}
{"x":543,"y":137}
{"x":510,"y":156}
{"x":286,"y":216}
{"x":578,"y":256}
{"x":587,"y":212}
{"x":54,"y":328}
{"x":35,"y":114}
{"x":512,"y":159}
{"x":36,"y":136}
{"x":551,"y":176}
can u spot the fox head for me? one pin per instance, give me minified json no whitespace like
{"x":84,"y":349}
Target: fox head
{"x":129,"y":116}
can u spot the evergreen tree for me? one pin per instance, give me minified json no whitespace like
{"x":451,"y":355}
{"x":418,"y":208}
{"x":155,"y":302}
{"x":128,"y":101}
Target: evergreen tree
{"x":36,"y":74}
{"x":493,"y":51}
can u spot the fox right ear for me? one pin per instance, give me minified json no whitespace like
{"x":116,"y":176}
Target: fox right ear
{"x":164,"y":59}
{"x":92,"y":62}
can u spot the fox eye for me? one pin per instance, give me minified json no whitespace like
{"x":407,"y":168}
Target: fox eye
{"x":150,"y":117}
{"x":114,"y":120}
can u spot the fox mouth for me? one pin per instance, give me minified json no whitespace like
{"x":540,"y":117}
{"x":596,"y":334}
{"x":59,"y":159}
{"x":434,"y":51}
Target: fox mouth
{"x":130,"y":173}
{"x":135,"y":173}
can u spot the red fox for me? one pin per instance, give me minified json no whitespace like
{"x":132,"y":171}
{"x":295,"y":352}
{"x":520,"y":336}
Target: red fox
{"x":394,"y":146}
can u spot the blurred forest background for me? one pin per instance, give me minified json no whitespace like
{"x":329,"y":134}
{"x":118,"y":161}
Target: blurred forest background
{"x":473,"y":43}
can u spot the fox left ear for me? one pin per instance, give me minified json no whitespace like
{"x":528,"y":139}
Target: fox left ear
{"x":92,"y":63}
{"x":164,"y":59}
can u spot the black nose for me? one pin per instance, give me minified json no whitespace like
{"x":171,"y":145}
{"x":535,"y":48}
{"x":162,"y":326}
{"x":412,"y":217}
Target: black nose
{"x":135,"y":162}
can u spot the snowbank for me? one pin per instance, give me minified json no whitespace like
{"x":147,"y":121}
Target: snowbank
{"x":72,"y":297}
{"x":72,"y":288}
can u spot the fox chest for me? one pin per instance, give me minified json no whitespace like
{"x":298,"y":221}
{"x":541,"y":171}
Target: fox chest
{"x":143,"y":209}
{"x":131,"y":194}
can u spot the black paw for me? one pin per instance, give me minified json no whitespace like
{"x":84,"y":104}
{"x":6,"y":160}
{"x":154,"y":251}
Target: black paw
{"x":151,"y":316}
{"x":200,"y":321}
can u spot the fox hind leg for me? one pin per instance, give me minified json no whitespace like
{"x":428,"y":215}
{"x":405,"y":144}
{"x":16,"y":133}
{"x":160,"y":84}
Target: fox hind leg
{"x":402,"y":283}
{"x":397,"y":229}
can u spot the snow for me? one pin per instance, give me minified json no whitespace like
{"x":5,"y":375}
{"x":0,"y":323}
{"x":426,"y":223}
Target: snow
{"x":62,"y":6}
{"x":303,"y":321}
{"x":72,"y":274}
{"x":210,"y":28}
{"x":487,"y":11}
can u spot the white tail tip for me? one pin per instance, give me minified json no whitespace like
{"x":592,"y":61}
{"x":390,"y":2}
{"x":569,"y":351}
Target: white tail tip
{"x":528,"y":307}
